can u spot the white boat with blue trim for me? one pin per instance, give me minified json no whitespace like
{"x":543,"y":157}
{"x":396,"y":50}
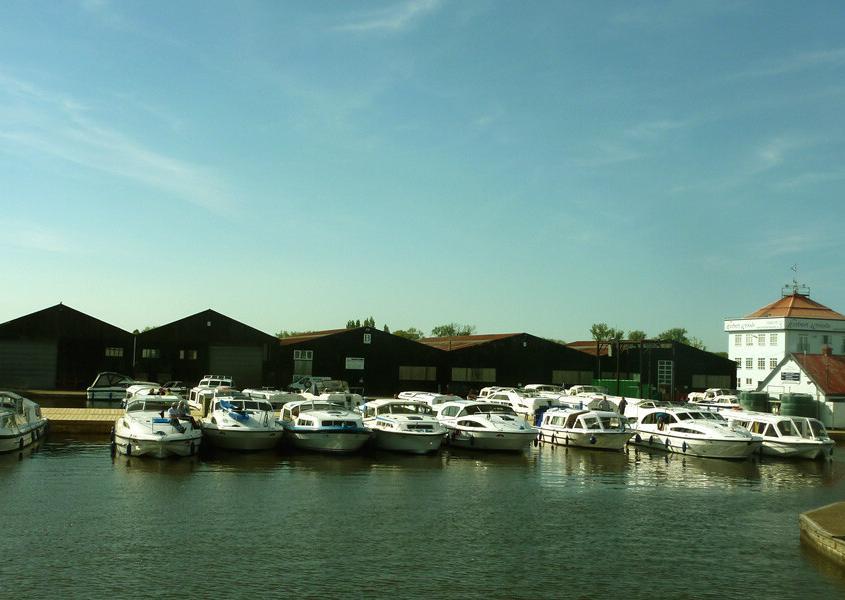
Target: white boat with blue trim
{"x":147,"y":429}
{"x":485,"y":425}
{"x":403,"y":425}
{"x":323,"y":426}
{"x":21,"y":423}
{"x":694,"y":432}
{"x":234,"y":421}
{"x":586,"y":428}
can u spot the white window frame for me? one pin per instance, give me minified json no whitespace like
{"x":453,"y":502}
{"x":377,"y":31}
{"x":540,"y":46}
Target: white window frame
{"x":749,"y":363}
{"x":114,"y":351}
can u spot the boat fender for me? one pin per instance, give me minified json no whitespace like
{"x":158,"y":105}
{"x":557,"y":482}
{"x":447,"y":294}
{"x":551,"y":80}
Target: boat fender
{"x":683,"y":446}
{"x":20,"y":443}
{"x":667,"y":443}
{"x":651,"y":439}
{"x":536,"y":441}
{"x":637,"y":438}
{"x":129,"y":448}
{"x":111,"y":435}
{"x":113,"y":448}
{"x":32,"y":437}
{"x":193,"y":448}
{"x":567,"y":440}
{"x":592,"y":439}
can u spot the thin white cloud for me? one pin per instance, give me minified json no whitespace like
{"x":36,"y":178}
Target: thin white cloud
{"x":776,"y":151}
{"x":810,"y":179}
{"x":832,"y":57}
{"x":29,"y":236}
{"x":35,"y":121}
{"x":395,"y":19}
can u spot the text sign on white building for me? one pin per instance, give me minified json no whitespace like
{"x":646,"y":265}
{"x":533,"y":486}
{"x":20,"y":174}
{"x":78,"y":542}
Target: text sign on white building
{"x":788,"y":376}
{"x":354,"y":363}
{"x":754,"y":324}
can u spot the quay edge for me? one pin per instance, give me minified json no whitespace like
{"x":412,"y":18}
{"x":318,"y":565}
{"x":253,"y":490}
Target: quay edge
{"x":824,"y":530}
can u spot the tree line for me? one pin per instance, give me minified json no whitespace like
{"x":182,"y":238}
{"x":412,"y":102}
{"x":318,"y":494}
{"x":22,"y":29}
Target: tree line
{"x":411,"y":333}
{"x":603,"y":334}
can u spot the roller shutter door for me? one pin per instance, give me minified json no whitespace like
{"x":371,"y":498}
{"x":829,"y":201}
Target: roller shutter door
{"x":244,"y":364}
{"x":28,"y":365}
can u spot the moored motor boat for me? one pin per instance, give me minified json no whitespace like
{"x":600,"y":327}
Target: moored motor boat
{"x":693,"y":432}
{"x":335,"y":391}
{"x":234,"y":421}
{"x":785,"y":436}
{"x":323,"y":426}
{"x":21,"y":422}
{"x":206,"y":387}
{"x":109,"y":386}
{"x":485,"y":425}
{"x":600,"y":429}
{"x":147,"y":429}
{"x":403,"y":426}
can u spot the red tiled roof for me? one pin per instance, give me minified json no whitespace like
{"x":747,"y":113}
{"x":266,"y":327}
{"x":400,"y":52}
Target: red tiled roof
{"x":464,"y":341}
{"x":311,"y":335}
{"x":589,"y":347}
{"x":828,"y":372}
{"x":797,"y":305}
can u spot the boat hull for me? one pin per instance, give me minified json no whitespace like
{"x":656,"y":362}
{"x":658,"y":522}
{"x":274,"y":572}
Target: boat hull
{"x":412,"y":443}
{"x":600,"y":440}
{"x":705,"y":448}
{"x":807,"y":450}
{"x":491,"y":440}
{"x":242,"y":439}
{"x":25,"y":436}
{"x":328,"y":441}
{"x":157,"y":448}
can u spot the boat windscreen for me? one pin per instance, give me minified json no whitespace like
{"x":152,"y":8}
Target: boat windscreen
{"x":408,"y":409}
{"x":489,"y":408}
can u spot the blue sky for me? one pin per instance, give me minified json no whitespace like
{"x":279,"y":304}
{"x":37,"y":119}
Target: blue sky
{"x":518,"y":166}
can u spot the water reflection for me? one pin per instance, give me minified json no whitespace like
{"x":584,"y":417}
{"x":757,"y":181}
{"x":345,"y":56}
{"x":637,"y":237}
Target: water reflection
{"x":8,"y":460}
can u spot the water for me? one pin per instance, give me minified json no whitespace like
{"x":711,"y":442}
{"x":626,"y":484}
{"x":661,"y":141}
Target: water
{"x":546,"y":524}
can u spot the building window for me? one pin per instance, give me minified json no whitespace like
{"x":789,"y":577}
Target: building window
{"x":485,"y":375}
{"x":738,"y":363}
{"x":749,"y":363}
{"x":843,"y":345}
{"x":368,"y":337}
{"x":761,"y":339}
{"x":738,"y":339}
{"x":408,"y":373}
{"x":303,"y":361}
{"x":187,"y":354}
{"x":150,"y":353}
{"x":773,"y":363}
{"x":773,"y":339}
{"x":114,"y":352}
{"x":826,"y":340}
{"x":761,"y":363}
{"x":303,"y":355}
{"x":747,"y":381}
{"x":803,"y":343}
{"x":749,"y":340}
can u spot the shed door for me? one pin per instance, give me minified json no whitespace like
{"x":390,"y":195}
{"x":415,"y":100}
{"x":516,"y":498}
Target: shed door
{"x":244,"y":364}
{"x":28,"y":365}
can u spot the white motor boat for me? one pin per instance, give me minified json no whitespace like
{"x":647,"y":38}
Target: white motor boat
{"x":146,"y":429}
{"x":21,"y":423}
{"x":601,"y":429}
{"x":693,"y":432}
{"x":403,"y":425}
{"x":320,"y":425}
{"x":110,"y":386}
{"x":485,"y":425}
{"x":783,"y":436}
{"x":717,"y":398}
{"x":276,"y":398}
{"x":206,"y":388}
{"x":234,"y":421}
{"x":523,"y":402}
{"x":333,"y":391}
{"x":433,"y":399}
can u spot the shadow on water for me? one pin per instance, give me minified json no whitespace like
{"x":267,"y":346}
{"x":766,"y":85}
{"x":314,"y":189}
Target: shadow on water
{"x":10,"y":459}
{"x":827,"y":566}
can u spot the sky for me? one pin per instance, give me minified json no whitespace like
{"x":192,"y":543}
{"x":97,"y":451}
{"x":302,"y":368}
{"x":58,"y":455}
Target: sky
{"x":522,"y":167}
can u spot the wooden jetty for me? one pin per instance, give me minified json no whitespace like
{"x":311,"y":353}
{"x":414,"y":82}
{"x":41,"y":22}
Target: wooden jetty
{"x":824,"y":530}
{"x":84,"y":420}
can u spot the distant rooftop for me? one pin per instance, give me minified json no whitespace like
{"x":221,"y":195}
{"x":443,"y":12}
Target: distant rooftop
{"x":797,"y":306}
{"x":457,"y":342}
{"x":827,"y":371}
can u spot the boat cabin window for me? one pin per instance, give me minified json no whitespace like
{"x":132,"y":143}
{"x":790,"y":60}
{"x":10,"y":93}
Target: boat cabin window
{"x":488,"y":408}
{"x":684,"y":416}
{"x":345,"y":424}
{"x":787,"y":428}
{"x":612,"y":423}
{"x":404,"y":409}
{"x":306,"y":422}
{"x":591,"y":423}
{"x":817,"y":428}
{"x":770,"y":431}
{"x":469,"y":423}
{"x":450,"y":411}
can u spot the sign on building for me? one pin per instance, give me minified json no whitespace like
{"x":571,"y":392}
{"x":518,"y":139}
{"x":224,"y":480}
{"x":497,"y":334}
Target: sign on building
{"x":354,"y":363}
{"x":789,"y":376}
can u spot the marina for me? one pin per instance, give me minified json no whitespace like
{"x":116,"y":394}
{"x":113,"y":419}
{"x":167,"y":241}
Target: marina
{"x":547,"y":506}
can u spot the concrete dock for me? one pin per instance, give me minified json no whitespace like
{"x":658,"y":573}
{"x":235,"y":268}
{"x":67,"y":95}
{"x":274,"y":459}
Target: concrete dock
{"x":824,"y":530}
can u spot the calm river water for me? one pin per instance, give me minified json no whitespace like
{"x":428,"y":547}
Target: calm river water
{"x":545,"y":524}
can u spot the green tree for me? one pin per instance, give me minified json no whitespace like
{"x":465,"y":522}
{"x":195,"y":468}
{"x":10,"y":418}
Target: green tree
{"x":350,"y":324}
{"x":602,"y":333}
{"x":452,"y":330}
{"x":675,"y":334}
{"x":386,"y":329}
{"x":286,"y":334}
{"x":637,"y":335}
{"x":412,"y":333}
{"x":371,"y":322}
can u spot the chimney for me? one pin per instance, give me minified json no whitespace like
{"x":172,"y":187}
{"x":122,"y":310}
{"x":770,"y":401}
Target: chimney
{"x":827,"y":350}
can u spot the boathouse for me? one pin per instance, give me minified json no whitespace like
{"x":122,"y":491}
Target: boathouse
{"x":60,"y":348}
{"x":795,"y":323}
{"x":207,"y":343}
{"x":509,"y":359}
{"x":819,"y":378}
{"x":372,"y":361}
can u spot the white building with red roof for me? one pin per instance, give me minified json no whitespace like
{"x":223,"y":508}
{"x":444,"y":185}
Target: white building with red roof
{"x":793,"y":324}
